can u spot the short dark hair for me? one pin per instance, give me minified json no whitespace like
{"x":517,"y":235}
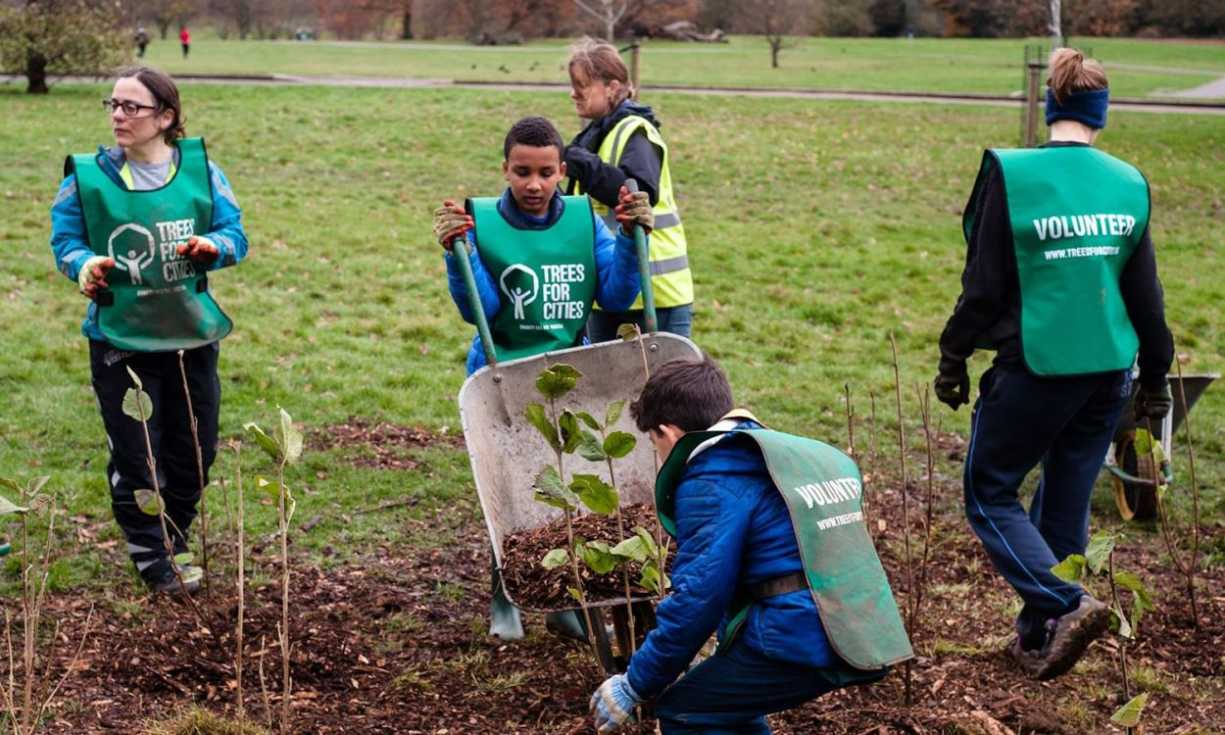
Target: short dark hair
{"x":165,"y":93}
{"x":536,"y":132}
{"x":689,"y":394}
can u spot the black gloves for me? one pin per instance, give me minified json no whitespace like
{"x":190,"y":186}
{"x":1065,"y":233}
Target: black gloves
{"x":952,"y":384}
{"x":580,"y":162}
{"x":1155,"y":402}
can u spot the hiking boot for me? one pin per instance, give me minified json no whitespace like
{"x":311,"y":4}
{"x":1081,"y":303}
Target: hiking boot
{"x":1068,"y":636}
{"x":162,"y":578}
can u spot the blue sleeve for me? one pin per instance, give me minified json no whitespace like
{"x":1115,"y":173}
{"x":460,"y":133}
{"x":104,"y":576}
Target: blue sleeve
{"x":69,"y":241}
{"x":616,"y":264}
{"x":712,"y":525}
{"x":227,"y":233}
{"x":490,"y":300}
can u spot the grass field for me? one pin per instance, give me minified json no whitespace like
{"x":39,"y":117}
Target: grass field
{"x":810,"y":243}
{"x":1137,"y":68}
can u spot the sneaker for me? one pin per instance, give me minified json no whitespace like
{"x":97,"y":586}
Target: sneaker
{"x":1068,"y":638}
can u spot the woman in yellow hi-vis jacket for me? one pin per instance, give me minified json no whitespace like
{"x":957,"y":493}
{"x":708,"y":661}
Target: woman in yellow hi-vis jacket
{"x":622,"y":141}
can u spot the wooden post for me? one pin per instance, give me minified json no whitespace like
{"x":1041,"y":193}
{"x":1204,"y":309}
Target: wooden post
{"x":634,"y":68}
{"x":1031,"y":103}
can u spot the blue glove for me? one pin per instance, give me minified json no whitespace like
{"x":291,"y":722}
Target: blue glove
{"x":612,"y":705}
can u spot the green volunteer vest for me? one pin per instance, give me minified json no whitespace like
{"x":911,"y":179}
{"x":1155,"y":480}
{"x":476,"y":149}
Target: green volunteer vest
{"x":670,"y":274}
{"x":547,"y":278}
{"x":1077,"y":215}
{"x":157,"y":300}
{"x":823,"y":491}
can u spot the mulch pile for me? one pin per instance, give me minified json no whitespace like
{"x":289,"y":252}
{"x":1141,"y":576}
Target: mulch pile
{"x":533,"y":587}
{"x":396,"y":643}
{"x":380,"y":445}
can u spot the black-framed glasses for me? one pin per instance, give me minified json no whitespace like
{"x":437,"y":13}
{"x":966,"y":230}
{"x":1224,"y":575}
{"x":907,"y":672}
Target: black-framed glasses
{"x":130,"y":108}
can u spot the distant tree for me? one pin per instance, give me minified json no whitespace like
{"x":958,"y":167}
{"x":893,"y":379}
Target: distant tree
{"x":775,"y":19}
{"x":888,"y":17}
{"x":607,"y":12}
{"x":1098,"y":17}
{"x":167,"y":13}
{"x":845,"y":17}
{"x":976,"y":18}
{"x":41,"y":37}
{"x":717,"y":14}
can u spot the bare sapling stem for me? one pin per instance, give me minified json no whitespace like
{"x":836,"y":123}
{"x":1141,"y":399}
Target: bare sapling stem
{"x":283,"y":628}
{"x":1186,"y":567}
{"x":850,"y":421}
{"x":901,"y":446}
{"x":241,"y":591}
{"x":1193,"y":562}
{"x":28,"y":622}
{"x":195,"y":440}
{"x":660,"y":537}
{"x":625,"y":572}
{"x":263,"y":683}
{"x":1118,"y":605}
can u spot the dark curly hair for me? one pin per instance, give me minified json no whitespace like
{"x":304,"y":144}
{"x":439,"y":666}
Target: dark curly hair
{"x":536,"y":132}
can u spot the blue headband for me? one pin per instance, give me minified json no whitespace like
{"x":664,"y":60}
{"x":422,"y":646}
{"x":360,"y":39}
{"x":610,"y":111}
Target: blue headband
{"x":1086,"y":107}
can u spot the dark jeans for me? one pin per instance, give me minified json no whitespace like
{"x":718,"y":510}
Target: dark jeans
{"x":1019,"y":422}
{"x":731,"y":693}
{"x":602,"y":325}
{"x":170,"y":436}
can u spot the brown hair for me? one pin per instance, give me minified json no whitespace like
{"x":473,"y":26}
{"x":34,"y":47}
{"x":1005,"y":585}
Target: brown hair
{"x":689,"y":394}
{"x":601,"y":62}
{"x":1071,"y":72}
{"x":165,"y":93}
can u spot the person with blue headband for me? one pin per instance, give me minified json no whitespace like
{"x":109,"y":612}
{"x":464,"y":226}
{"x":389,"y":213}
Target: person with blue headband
{"x":1060,"y":281}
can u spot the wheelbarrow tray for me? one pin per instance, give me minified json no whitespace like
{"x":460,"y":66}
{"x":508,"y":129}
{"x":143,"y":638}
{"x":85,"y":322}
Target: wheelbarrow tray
{"x":507,"y":456}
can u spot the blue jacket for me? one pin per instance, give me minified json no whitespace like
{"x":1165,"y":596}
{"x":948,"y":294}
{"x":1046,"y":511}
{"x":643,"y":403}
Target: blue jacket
{"x":616,"y":265}
{"x":732,"y":529}
{"x":71,"y":246}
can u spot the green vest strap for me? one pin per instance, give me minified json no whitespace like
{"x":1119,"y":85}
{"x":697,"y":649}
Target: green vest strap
{"x":158,"y":300}
{"x":547,"y":278}
{"x":823,"y":490}
{"x":673,"y":284}
{"x":1077,"y":215}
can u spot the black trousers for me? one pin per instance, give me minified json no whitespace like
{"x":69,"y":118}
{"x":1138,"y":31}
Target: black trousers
{"x":170,"y":437}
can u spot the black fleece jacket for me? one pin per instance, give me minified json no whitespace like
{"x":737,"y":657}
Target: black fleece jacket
{"x":988,"y":311}
{"x":640,"y":160}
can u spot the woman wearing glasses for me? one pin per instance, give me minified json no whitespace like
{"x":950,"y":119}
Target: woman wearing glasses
{"x":138,"y":226}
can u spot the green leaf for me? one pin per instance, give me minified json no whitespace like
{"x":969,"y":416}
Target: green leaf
{"x":37,"y":484}
{"x":613,"y":412}
{"x":570,"y":434}
{"x":597,"y":495}
{"x":137,"y":405}
{"x":633,"y":548}
{"x":10,"y":484}
{"x":650,"y":579}
{"x":555,"y":558}
{"x":578,"y":596}
{"x":1098,"y":553}
{"x":628,"y":332}
{"x":265,"y":442}
{"x":1071,"y":569}
{"x":1125,"y":629}
{"x":550,"y":491}
{"x":648,"y":540}
{"x":598,"y":557}
{"x":135,"y":378}
{"x":1141,"y":598}
{"x":588,"y":419}
{"x":288,"y":439}
{"x":195,"y":574}
{"x":184,"y":559}
{"x":1129,"y":714}
{"x":149,"y":502}
{"x":1147,"y":446}
{"x":536,"y":417}
{"x":8,"y":507}
{"x":558,"y":380}
{"x":589,"y":448}
{"x":618,"y":444}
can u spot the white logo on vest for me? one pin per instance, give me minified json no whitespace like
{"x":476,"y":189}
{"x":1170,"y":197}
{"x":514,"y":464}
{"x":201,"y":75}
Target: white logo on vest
{"x":136,"y":250}
{"x":515,"y":291}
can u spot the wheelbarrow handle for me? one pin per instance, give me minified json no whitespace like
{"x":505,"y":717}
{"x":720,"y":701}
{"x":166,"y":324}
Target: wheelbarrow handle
{"x":459,"y":247}
{"x":644,"y":270}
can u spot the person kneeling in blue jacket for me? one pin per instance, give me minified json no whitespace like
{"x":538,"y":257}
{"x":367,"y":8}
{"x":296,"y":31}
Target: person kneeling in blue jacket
{"x":772,"y":552}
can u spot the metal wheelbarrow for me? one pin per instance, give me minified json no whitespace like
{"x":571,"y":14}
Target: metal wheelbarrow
{"x":506,"y":452}
{"x":1132,"y":473}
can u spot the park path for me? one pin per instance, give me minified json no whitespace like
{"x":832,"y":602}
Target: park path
{"x":1213,"y":89}
{"x":1201,"y":108}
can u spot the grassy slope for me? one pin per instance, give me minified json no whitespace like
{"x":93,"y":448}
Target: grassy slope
{"x":810,"y":243}
{"x":1137,"y":68}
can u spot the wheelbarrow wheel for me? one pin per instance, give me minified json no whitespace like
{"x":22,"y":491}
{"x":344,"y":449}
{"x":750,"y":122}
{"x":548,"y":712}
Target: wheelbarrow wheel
{"x":1135,"y":500}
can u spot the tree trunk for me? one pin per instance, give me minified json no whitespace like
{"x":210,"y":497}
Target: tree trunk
{"x":610,"y":26}
{"x":406,"y":32}
{"x":36,"y":73}
{"x":163,"y":27}
{"x":776,"y":45}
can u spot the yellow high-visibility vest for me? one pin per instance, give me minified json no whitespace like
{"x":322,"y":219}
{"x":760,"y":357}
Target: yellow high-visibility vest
{"x":670,"y":274}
